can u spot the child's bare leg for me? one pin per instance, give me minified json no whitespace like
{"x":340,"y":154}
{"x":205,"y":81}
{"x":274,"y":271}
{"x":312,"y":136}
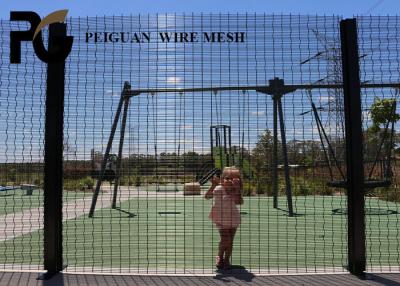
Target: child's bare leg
{"x":221,"y":249}
{"x":224,"y":243}
{"x":228,"y":251}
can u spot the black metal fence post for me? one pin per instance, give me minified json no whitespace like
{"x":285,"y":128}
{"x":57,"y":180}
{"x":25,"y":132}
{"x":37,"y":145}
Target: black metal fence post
{"x":53,"y":158}
{"x":354,"y":150}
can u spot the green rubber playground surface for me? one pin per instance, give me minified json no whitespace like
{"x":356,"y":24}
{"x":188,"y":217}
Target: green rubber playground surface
{"x":13,"y":201}
{"x":175,"y":233}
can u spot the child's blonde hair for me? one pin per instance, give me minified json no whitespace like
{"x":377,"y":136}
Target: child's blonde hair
{"x":231,"y":170}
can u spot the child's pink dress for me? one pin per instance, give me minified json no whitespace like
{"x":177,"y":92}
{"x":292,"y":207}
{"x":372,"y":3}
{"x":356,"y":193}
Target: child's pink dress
{"x":224,"y":212}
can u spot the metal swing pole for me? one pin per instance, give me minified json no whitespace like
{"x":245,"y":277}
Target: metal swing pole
{"x":219,"y":145}
{"x":119,"y":159}
{"x":226,"y":147}
{"x":277,"y":89}
{"x":275,"y":155}
{"x":388,"y":170}
{"x":212,"y":145}
{"x":323,"y":135}
{"x":285,"y":158}
{"x":125,"y":90}
{"x":231,"y":153}
{"x":278,"y":84}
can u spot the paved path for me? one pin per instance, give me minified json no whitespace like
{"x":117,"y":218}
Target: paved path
{"x":30,"y":220}
{"x":16,"y":224}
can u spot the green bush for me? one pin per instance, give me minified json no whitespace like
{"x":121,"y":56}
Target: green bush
{"x":12,"y":175}
{"x":38,"y":182}
{"x":123,"y":181}
{"x":263,"y":185}
{"x":325,"y":191}
{"x":80,"y":184}
{"x":390,"y":194}
{"x":302,"y":190}
{"x":135,"y":180}
{"x":249,"y":189}
{"x":70,"y":185}
{"x":88,"y":183}
{"x":138,"y":180}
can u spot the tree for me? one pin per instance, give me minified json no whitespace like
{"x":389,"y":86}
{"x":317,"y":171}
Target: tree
{"x":383,"y":115}
{"x":383,"y":111}
{"x":261,"y":162}
{"x":261,"y":155}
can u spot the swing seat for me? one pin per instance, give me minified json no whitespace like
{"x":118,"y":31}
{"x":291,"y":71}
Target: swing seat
{"x":368,"y":184}
{"x":191,"y":189}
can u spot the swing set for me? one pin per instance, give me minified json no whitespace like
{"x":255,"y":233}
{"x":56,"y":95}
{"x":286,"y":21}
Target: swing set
{"x":276,"y":89}
{"x":382,"y":157}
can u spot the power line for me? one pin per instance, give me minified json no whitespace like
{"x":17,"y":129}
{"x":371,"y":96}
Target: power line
{"x":373,"y":7}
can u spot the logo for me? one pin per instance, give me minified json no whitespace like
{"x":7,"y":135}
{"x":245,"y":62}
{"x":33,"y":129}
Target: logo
{"x":61,"y":45}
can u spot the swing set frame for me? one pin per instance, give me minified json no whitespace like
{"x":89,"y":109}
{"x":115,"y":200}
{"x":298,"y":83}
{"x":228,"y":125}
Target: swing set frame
{"x":276,"y":89}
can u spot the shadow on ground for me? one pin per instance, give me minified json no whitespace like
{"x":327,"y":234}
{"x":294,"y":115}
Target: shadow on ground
{"x":236,"y":271}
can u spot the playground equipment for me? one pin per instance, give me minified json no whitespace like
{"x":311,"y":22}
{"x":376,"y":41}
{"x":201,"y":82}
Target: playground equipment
{"x":109,"y":169}
{"x":383,"y":157}
{"x":221,"y":153}
{"x":276,"y":88}
{"x":192,"y":188}
{"x":29,"y":188}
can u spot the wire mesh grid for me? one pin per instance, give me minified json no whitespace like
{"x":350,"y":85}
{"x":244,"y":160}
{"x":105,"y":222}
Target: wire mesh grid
{"x":156,"y":225}
{"x":22,"y":93}
{"x":379,"y":52}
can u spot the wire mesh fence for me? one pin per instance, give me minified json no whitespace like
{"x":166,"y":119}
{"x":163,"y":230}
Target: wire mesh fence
{"x":379,"y":62}
{"x":22,"y":94}
{"x":157,"y":105}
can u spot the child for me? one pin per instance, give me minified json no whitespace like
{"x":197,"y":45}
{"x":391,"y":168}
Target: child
{"x":224,"y":213}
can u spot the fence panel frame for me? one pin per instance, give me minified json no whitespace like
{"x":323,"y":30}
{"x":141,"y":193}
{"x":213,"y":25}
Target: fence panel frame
{"x":354,"y":150}
{"x":53,"y":167}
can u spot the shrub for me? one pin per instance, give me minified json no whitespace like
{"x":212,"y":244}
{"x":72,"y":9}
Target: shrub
{"x":123,"y":181}
{"x":88,"y":183}
{"x":390,"y":194}
{"x":325,"y":191}
{"x":263,"y":186}
{"x":137,"y":179}
{"x":12,"y":175}
{"x":302,"y":190}
{"x":37,"y":182}
{"x":249,"y":189}
{"x":70,"y":185}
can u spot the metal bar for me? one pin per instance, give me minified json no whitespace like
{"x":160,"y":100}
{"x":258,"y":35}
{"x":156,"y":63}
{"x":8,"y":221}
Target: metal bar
{"x":332,"y":153}
{"x":388,"y":170}
{"x":388,"y":147}
{"x":378,"y":153}
{"x":265,"y":89}
{"x":219,"y":146}
{"x":354,"y":147}
{"x":322,"y":139}
{"x":241,"y":148}
{"x":119,"y":159}
{"x":53,"y":159}
{"x":231,"y":153}
{"x":108,"y":148}
{"x":285,"y":158}
{"x":212,"y":146}
{"x":275,"y":155}
{"x":226,"y":148}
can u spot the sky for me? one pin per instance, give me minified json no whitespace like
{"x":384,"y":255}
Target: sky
{"x":96,"y":73}
{"x":126,"y":7}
